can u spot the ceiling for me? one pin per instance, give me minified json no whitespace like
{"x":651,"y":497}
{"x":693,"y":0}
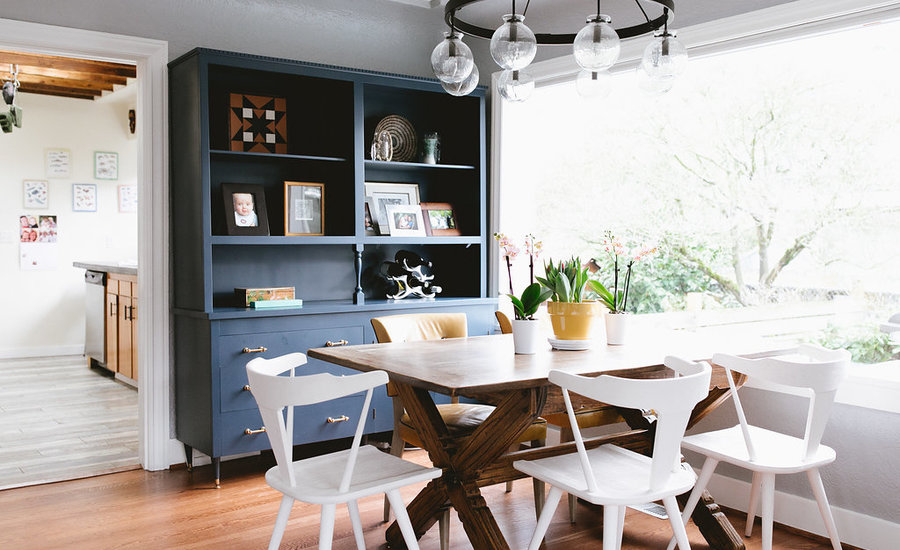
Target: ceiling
{"x":65,"y":76}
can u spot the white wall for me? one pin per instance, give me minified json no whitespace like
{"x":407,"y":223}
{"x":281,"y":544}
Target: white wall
{"x":44,"y":310}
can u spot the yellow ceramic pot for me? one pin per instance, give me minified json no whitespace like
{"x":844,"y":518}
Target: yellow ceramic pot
{"x":573,"y":320}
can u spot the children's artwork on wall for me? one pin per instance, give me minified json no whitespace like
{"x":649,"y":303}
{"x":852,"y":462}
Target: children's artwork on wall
{"x":37,"y":193}
{"x":106,"y":165}
{"x":128,"y":198}
{"x":38,"y":242}
{"x":57,"y":163}
{"x":84,"y":197}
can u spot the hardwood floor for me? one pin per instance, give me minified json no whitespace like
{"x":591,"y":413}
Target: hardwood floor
{"x":178,"y":509}
{"x":61,"y":420}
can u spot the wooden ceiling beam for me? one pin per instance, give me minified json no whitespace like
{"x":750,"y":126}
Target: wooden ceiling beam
{"x":59,"y":91}
{"x":64,"y":82}
{"x":57,"y":73}
{"x":68,"y":64}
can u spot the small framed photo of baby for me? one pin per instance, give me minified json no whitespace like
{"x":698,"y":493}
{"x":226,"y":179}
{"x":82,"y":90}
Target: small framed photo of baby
{"x":405,"y":220}
{"x":304,"y":208}
{"x":245,"y":209}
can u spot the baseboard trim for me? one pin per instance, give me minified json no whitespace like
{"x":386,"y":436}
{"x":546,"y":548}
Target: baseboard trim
{"x":855,"y":529}
{"x":41,"y":351}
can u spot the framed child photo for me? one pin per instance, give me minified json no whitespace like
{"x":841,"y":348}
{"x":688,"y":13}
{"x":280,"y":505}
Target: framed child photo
{"x":245,"y":209}
{"x":440,"y":219}
{"x":405,"y":220}
{"x":304,"y":208}
{"x":386,"y":194}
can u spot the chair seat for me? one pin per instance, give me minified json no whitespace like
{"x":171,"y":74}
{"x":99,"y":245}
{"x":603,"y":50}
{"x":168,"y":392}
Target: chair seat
{"x":463,"y":418}
{"x":376,"y":472}
{"x":586,"y":418}
{"x":775,"y":452}
{"x":623,"y":476}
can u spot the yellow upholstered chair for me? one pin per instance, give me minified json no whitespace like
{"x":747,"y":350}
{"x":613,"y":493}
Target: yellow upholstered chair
{"x":459,"y":417}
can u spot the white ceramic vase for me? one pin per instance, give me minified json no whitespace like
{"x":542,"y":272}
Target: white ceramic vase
{"x":526,"y":336}
{"x":616,"y":328}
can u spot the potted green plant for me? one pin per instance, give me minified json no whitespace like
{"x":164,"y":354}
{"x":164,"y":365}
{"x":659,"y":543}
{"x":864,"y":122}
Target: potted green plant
{"x":526,"y":329}
{"x":571,"y":315}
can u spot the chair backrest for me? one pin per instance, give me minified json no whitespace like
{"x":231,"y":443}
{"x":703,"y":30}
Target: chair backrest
{"x":503,"y":320}
{"x":815,"y":368}
{"x":419,"y":326}
{"x":673,"y":400}
{"x":274,"y":393}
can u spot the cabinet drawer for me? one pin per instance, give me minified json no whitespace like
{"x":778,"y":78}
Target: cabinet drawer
{"x":233,"y":360}
{"x":231,"y":434}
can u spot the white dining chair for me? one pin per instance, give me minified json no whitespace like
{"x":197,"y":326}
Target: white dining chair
{"x":333,"y":478}
{"x":615,"y":477}
{"x":768,"y":453}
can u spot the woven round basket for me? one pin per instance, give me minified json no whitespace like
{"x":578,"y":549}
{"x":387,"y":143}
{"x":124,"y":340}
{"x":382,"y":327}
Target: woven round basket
{"x":403,"y":137}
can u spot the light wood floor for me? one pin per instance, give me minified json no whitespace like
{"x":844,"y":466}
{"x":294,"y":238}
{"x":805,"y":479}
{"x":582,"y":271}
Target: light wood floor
{"x":61,"y":420}
{"x":178,"y":509}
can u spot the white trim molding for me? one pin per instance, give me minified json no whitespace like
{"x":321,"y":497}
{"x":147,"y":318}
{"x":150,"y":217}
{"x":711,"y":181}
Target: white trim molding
{"x":151,"y":57}
{"x":42,"y":351}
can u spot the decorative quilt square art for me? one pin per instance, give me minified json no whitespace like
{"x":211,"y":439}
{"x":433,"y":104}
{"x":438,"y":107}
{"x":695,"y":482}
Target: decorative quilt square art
{"x":257,"y":124}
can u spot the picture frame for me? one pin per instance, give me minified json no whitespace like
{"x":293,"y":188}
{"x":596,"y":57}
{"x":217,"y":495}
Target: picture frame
{"x":254,"y":220}
{"x":128,"y":198}
{"x":371,"y":228}
{"x":304,"y":208}
{"x":36,"y":194}
{"x":106,"y":165}
{"x":84,"y":197}
{"x":440,"y":219}
{"x":405,"y":220}
{"x":384,"y":194}
{"x":57,"y":163}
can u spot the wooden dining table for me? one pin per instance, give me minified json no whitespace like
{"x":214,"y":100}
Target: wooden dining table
{"x":485,"y":368}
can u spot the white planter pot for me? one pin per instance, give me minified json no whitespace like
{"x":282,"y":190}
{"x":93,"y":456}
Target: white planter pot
{"x":526,"y":336}
{"x":616,"y":328}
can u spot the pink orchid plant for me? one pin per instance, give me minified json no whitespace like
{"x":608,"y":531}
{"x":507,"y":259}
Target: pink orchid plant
{"x":534,"y":295}
{"x":616,"y":300}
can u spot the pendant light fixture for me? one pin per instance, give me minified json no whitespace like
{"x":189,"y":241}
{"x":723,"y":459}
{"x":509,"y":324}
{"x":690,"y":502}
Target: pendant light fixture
{"x":451,"y":59}
{"x":595,"y":47}
{"x":466,"y":86}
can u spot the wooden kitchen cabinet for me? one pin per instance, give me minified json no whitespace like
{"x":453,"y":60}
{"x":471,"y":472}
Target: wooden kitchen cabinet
{"x":121,"y":325}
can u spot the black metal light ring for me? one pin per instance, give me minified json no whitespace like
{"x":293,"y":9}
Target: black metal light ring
{"x":548,"y":38}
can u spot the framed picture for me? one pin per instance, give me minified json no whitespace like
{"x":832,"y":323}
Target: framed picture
{"x":257,"y":124}
{"x":369,"y":222}
{"x":37,"y":193}
{"x":304,"y":210}
{"x":440,"y":219}
{"x":128,"y":198}
{"x":245,"y":209}
{"x":106,"y":165}
{"x":405,"y":220}
{"x":57,"y":163}
{"x":385,"y":194}
{"x":84,"y":197}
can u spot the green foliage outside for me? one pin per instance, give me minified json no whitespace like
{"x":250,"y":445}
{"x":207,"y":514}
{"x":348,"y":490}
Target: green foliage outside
{"x":865,"y":343}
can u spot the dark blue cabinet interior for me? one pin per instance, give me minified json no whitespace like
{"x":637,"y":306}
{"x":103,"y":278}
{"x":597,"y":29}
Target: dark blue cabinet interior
{"x":331,"y":116}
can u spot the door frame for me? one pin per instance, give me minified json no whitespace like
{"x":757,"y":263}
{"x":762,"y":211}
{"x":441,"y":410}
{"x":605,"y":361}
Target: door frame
{"x":154,"y":351}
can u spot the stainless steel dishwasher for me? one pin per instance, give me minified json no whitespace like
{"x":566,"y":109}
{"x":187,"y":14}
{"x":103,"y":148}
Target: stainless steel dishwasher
{"x":95,"y":315}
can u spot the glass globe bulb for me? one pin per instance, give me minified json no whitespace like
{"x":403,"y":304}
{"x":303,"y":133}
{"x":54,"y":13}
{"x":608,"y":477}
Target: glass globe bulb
{"x":653,"y":86}
{"x":596,"y":45}
{"x":465,"y":87}
{"x":515,"y":85}
{"x":452,"y":60}
{"x":664,"y":57}
{"x":513,"y":45}
{"x":593,"y":84}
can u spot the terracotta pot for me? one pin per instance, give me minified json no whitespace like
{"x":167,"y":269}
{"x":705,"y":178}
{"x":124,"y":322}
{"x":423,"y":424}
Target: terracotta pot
{"x":526,"y":336}
{"x":616,"y":328}
{"x":573,"y":320}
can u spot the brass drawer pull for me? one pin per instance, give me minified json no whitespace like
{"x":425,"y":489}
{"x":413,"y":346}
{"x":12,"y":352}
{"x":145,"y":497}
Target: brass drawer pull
{"x":342,"y":418}
{"x":255,"y":350}
{"x":330,"y":344}
{"x":246,"y":387}
{"x":248,"y":431}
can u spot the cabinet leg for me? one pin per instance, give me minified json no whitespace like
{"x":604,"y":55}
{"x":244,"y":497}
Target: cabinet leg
{"x":189,"y":457}
{"x":216,"y":468}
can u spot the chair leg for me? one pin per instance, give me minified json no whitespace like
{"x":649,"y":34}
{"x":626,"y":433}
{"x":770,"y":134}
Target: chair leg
{"x":537,"y":484}
{"x":397,"y":444}
{"x":573,"y":502}
{"x":353,"y":508}
{"x":677,"y":524}
{"x":709,"y":466}
{"x":543,"y":521}
{"x":610,"y":527}
{"x":326,"y":529}
{"x":444,"y":529}
{"x":284,"y":511}
{"x":754,"y":504}
{"x":621,"y":526}
{"x":767,"y":494}
{"x":815,"y":481}
{"x":406,"y":528}
{"x":565,"y":435}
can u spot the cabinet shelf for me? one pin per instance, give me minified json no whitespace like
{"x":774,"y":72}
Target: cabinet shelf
{"x":243,"y":154}
{"x":279,"y":240}
{"x":415,"y":165}
{"x":422,"y":240}
{"x":318,"y":307}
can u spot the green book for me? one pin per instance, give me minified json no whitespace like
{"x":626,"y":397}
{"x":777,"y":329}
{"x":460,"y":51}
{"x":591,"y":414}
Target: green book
{"x":272,"y":304}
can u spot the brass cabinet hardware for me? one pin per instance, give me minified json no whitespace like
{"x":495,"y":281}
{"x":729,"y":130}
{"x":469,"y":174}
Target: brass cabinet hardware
{"x":255,"y":350}
{"x":246,"y":387}
{"x":248,"y":431}
{"x":330,"y":344}
{"x":342,"y":418}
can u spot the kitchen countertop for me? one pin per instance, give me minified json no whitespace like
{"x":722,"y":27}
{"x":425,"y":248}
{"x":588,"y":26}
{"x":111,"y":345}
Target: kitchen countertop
{"x":108,"y":267}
